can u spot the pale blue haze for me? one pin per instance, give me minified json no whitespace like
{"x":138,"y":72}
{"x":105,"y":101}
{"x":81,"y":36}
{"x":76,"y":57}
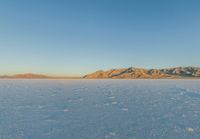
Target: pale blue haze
{"x":75,"y":37}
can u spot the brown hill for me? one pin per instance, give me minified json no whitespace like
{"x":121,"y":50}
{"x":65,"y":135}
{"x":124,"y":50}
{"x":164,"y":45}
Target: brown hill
{"x":135,"y":73}
{"x":30,"y":75}
{"x":35,"y":76}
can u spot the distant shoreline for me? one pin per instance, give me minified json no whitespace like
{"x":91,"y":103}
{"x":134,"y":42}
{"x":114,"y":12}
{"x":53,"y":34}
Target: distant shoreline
{"x":184,"y":78}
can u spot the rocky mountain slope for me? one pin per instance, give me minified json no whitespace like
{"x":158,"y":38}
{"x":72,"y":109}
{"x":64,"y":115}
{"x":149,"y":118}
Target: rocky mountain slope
{"x":139,"y":73}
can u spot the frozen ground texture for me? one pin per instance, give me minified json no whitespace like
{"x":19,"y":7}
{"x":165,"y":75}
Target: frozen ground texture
{"x":100,"y":109}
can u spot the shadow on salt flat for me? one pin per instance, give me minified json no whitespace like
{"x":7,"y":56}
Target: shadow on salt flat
{"x":193,"y":94}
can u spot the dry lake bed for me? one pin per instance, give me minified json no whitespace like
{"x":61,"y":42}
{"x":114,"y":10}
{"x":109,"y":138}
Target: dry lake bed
{"x":99,"y":109}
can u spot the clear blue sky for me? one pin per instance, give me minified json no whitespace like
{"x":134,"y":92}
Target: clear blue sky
{"x":75,"y":37}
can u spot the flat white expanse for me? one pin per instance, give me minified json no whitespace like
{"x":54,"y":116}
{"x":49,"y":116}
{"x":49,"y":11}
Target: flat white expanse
{"x":99,"y":109}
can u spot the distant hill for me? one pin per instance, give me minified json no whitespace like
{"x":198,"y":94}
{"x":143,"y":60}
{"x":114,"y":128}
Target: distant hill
{"x":30,"y":75}
{"x":26,"y":76}
{"x":35,"y":76}
{"x":140,"y":73}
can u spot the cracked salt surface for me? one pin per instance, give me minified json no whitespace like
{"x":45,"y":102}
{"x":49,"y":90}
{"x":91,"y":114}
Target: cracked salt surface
{"x":65,"y":110}
{"x":124,"y":109}
{"x":100,"y":109}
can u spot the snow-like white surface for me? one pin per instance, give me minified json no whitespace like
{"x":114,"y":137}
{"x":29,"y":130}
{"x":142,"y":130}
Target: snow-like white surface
{"x":99,"y":109}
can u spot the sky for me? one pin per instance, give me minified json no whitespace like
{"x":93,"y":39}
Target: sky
{"x":76,"y":37}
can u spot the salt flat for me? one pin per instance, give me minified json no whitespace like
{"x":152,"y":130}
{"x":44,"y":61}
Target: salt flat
{"x":99,"y":109}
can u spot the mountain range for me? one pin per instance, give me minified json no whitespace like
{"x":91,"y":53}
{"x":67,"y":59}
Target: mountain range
{"x":140,"y":73}
{"x":124,"y":73}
